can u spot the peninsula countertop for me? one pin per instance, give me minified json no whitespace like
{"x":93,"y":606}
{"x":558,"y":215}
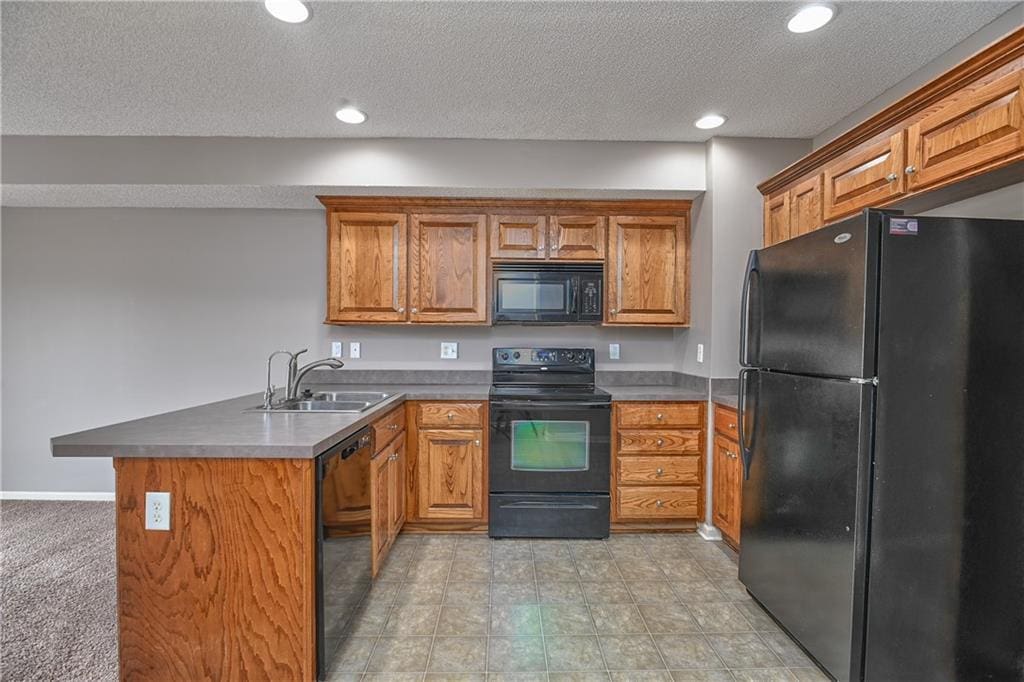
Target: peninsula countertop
{"x":225,"y":429}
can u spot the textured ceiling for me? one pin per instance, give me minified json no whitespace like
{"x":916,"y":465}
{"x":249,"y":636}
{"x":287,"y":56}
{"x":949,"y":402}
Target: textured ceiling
{"x":569,"y":70}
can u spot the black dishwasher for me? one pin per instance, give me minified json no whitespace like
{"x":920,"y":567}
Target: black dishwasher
{"x":343,"y":556}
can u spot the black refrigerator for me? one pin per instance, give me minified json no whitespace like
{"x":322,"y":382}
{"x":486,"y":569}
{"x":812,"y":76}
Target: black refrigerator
{"x":882,"y":429}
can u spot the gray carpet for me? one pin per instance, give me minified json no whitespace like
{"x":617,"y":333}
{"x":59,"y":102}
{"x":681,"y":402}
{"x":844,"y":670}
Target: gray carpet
{"x":57,"y":591}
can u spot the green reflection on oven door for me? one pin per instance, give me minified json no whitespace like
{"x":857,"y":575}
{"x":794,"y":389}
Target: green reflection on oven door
{"x":541,"y":445}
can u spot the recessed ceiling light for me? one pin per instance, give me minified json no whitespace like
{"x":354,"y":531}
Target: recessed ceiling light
{"x":350,"y":115}
{"x":811,"y":18}
{"x":291,"y":11}
{"x":709,"y":121}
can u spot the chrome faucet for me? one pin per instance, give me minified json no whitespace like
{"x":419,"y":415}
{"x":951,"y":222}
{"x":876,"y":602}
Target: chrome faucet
{"x":296,"y":373}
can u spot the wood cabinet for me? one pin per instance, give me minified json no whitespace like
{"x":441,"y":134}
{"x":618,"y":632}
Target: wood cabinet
{"x":727,"y":476}
{"x":646,"y":282}
{"x":366,"y":271}
{"x":968,"y":131}
{"x":448,"y":268}
{"x":387,"y":485}
{"x":448,"y":462}
{"x":869,"y":176}
{"x":657,"y":464}
{"x":519,"y":237}
{"x":557,"y":237}
{"x":959,"y":135}
{"x":578,"y":237}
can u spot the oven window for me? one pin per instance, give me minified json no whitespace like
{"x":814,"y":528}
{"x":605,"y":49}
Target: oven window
{"x":550,"y":445}
{"x":529,"y":295}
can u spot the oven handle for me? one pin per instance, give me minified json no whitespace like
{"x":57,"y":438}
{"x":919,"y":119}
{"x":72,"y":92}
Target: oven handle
{"x":554,"y":404}
{"x":547,"y":505}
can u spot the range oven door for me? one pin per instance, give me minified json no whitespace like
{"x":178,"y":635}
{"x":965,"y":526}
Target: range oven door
{"x":550,"y":447}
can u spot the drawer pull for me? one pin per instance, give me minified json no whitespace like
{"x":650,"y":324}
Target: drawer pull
{"x":891,"y":177}
{"x":661,"y":442}
{"x":659,"y":416}
{"x":659,"y":504}
{"x":910,"y":170}
{"x":732,"y":426}
{"x":476,"y":442}
{"x":451,"y":416}
{"x":660,"y":472}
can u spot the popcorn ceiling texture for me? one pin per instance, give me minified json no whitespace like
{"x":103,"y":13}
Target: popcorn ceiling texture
{"x":569,"y":71}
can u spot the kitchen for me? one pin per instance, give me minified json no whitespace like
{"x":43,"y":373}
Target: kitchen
{"x":473,"y":290}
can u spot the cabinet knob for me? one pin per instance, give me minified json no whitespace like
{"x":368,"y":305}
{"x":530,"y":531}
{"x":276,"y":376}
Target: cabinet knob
{"x":540,"y":249}
{"x":732,"y":426}
{"x":554,"y":247}
{"x":414,"y":310}
{"x":910,"y":170}
{"x":401,"y":310}
{"x":659,"y":416}
{"x":392,"y":427}
{"x":660,"y":472}
{"x":891,"y":177}
{"x":451,"y":416}
{"x":613,"y":311}
{"x":659,"y":504}
{"x":660,"y":442}
{"x":476,"y":442}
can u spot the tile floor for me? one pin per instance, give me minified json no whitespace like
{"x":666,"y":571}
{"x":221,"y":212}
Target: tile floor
{"x":634,"y":607}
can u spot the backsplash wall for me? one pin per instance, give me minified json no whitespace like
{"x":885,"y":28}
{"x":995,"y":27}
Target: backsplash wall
{"x":408,"y":346}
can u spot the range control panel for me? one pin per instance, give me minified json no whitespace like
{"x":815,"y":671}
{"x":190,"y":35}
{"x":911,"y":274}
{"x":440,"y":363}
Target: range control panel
{"x":549,"y":357}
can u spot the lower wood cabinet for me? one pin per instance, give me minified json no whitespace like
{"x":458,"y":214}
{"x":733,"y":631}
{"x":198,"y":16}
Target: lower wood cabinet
{"x":387,"y":485}
{"x":727,"y":476}
{"x":448,"y":463}
{"x":657,"y":464}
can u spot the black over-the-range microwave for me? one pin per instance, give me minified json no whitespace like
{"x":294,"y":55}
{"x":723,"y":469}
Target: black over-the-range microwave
{"x":547,"y":293}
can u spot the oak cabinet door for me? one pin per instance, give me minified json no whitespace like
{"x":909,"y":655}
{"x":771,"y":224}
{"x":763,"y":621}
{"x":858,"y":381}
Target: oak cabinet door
{"x":448,"y":268}
{"x":380,"y":522}
{"x":970,"y":129}
{"x":397,"y":493}
{"x":805,"y":207}
{"x":776,"y":218}
{"x":366,"y":267}
{"x":871,"y":175}
{"x":521,"y":237}
{"x":450,"y":474}
{"x":725,"y":509}
{"x":578,"y":237}
{"x":648,"y":259}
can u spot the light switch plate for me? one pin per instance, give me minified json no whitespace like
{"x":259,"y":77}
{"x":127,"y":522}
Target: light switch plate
{"x":700,"y":352}
{"x":613,"y":351}
{"x":336,"y":349}
{"x":158,"y":511}
{"x":355,"y":349}
{"x":449,"y":350}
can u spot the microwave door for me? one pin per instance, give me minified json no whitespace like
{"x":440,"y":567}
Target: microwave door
{"x":540,"y":297}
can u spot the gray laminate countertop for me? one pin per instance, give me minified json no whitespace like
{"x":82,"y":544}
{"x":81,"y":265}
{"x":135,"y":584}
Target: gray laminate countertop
{"x":654,"y":392}
{"x":726,"y":399}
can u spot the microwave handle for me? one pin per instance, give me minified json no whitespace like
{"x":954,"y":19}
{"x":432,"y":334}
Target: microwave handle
{"x":574,"y":295}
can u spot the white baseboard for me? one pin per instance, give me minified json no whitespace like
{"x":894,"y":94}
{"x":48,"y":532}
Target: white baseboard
{"x":63,"y":496}
{"x":708,"y":532}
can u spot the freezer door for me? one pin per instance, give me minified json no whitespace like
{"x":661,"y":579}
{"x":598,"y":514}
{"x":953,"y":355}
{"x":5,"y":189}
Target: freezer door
{"x":809,"y":303}
{"x":946,"y":583}
{"x":806,"y":444}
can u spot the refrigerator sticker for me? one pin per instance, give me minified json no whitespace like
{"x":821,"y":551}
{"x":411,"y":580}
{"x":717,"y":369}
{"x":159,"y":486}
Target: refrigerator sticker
{"x":903,"y":226}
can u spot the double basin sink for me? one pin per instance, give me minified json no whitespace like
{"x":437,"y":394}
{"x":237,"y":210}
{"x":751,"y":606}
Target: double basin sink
{"x":330,"y":401}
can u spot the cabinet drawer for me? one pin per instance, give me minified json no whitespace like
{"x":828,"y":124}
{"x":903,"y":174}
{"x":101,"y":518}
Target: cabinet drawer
{"x":387,"y":427}
{"x":654,"y":415}
{"x":451,"y":414}
{"x":725,"y":422}
{"x":659,"y":441}
{"x":657,"y":503}
{"x":659,"y":470}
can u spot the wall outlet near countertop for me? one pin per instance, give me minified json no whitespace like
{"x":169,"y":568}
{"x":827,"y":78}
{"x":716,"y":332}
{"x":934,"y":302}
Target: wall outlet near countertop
{"x":355,"y":349}
{"x":449,"y":350}
{"x":158,"y":511}
{"x":336,"y":349}
{"x":700,"y":352}
{"x":613,"y":351}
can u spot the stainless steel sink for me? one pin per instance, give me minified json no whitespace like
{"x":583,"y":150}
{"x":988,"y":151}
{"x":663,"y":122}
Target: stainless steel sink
{"x":329,"y":401}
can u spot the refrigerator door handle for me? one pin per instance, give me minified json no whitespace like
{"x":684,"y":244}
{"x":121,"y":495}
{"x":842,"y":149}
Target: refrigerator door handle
{"x":746,"y":359}
{"x":746,"y":448}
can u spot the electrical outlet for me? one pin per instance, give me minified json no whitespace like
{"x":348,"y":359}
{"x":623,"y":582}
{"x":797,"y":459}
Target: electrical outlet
{"x":700,"y":352}
{"x":355,"y":349}
{"x":336,"y":349}
{"x":158,"y":511}
{"x":449,"y":350}
{"x":613,"y":351}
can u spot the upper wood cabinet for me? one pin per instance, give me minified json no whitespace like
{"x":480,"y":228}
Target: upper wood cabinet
{"x":805,"y":207}
{"x":448,"y":268}
{"x":647,"y":278}
{"x":869,"y":176}
{"x":557,"y":237}
{"x":967,"y":131}
{"x":776,"y":219}
{"x":366,"y":267}
{"x":578,"y":237}
{"x":519,"y":236}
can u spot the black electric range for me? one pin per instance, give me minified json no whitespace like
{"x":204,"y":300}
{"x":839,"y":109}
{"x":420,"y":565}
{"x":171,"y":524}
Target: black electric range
{"x":550,"y":445}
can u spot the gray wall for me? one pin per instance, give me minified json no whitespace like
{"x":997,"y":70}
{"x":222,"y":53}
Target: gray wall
{"x":1006,"y":203}
{"x":114,"y":314}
